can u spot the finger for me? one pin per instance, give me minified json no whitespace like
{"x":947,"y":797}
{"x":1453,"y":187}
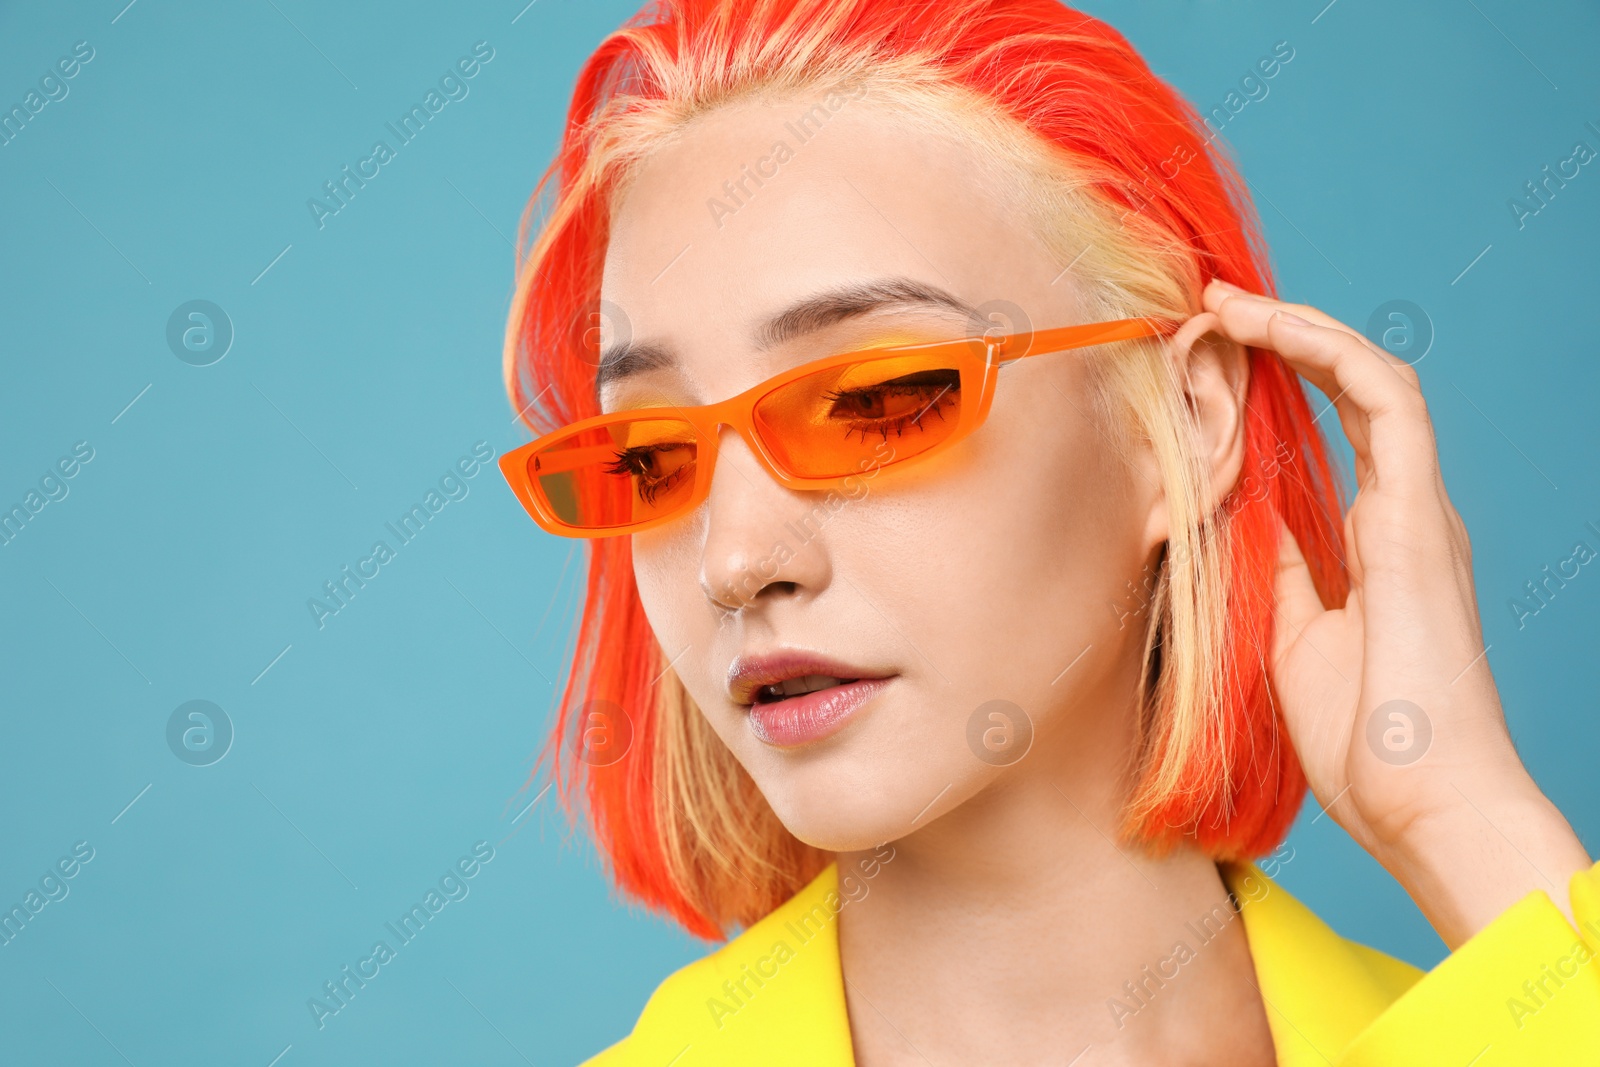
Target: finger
{"x":1244,"y":319}
{"x":1264,"y":306}
{"x":1218,"y":291}
{"x":1297,"y":600}
{"x":1248,"y":318}
{"x":1251,"y":313}
{"x":1399,"y":445}
{"x":1246,"y":313}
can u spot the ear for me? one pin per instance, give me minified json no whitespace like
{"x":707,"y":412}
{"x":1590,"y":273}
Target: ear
{"x":1215,"y":374}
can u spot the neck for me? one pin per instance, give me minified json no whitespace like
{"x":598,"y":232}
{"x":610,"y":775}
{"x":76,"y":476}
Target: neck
{"x":1019,"y":928}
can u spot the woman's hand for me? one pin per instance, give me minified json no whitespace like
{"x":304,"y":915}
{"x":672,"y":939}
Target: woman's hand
{"x":1389,"y":699}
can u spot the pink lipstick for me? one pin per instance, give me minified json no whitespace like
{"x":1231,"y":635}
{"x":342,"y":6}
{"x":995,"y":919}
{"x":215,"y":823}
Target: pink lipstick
{"x":795,"y":697}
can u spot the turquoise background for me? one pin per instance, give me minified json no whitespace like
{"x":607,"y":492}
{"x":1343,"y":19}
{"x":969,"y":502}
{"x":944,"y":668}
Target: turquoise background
{"x":370,"y":755}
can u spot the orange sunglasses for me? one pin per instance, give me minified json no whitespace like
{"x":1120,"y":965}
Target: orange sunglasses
{"x":812,"y":427}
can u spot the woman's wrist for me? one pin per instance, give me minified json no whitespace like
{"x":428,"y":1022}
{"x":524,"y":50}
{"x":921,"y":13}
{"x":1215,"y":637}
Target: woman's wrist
{"x":1466,"y":862}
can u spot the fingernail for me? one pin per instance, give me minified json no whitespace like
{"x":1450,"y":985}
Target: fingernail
{"x":1226,"y":285}
{"x":1292,"y":320}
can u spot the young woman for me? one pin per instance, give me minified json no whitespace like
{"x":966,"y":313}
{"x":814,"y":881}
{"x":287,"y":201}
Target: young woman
{"x":970,"y":600}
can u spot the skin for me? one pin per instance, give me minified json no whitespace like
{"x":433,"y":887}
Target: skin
{"x":1008,"y":916}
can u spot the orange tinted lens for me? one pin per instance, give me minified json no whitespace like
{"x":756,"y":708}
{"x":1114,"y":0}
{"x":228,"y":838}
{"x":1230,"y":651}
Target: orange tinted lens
{"x":619,"y":474}
{"x":851,"y":418}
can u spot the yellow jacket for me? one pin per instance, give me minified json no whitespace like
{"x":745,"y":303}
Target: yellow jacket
{"x":1525,"y":990}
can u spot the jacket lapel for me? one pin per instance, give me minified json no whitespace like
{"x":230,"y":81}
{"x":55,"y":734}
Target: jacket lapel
{"x":772,"y":995}
{"x":1320,"y":990}
{"x":775,"y":993}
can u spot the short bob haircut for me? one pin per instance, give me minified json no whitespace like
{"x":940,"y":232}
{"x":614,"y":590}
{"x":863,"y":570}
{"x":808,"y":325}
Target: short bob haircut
{"x":1120,"y":178}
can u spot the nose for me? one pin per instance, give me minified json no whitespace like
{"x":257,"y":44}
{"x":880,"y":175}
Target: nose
{"x":762,"y":540}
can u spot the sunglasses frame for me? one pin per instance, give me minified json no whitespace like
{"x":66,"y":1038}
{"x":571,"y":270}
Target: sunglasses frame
{"x":977,"y":359}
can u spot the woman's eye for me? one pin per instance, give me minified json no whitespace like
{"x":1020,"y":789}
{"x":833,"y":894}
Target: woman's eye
{"x":899,"y":400}
{"x":654,"y":469}
{"x":668,"y":460}
{"x":654,"y":461}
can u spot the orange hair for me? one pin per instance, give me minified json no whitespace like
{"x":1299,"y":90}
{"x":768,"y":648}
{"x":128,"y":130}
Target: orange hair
{"x":682,"y":826}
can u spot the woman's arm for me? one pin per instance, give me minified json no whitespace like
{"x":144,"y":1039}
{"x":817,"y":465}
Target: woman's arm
{"x":1389,"y":699}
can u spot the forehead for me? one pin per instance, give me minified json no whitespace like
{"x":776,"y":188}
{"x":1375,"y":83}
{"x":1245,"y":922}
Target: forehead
{"x":760,"y":202}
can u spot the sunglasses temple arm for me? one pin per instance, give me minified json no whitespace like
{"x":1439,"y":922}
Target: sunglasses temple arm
{"x":567,"y":459}
{"x":1067,"y":337}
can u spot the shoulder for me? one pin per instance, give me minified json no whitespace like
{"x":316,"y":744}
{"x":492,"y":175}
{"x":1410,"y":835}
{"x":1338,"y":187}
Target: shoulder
{"x":773,"y":994}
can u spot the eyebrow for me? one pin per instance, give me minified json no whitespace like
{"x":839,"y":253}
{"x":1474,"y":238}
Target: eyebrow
{"x":807,"y":315}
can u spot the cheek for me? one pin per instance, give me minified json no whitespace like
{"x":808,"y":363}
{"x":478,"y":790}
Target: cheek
{"x":666,"y":570}
{"x":661,"y":569}
{"x":1036,"y":519}
{"x":1007,"y":563}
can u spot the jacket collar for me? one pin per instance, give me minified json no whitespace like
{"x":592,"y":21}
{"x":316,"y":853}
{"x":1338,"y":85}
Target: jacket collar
{"x":775,"y":993}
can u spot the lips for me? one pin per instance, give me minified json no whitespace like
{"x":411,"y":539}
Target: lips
{"x":795,"y":687}
{"x":795,"y":696}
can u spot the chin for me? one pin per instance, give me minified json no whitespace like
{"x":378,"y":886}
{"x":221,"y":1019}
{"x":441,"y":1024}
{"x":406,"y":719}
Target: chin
{"x":833,"y":829}
{"x":852,"y":798}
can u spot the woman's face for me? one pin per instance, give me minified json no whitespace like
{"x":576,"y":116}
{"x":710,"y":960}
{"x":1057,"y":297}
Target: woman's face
{"x":998,"y":570}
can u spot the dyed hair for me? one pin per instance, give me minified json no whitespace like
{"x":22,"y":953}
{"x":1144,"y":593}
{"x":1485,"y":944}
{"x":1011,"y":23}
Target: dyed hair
{"x":1118,"y":175}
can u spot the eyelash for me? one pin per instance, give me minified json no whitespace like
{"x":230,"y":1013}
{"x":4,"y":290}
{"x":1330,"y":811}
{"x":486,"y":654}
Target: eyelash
{"x":898,"y":423}
{"x":628,"y":462}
